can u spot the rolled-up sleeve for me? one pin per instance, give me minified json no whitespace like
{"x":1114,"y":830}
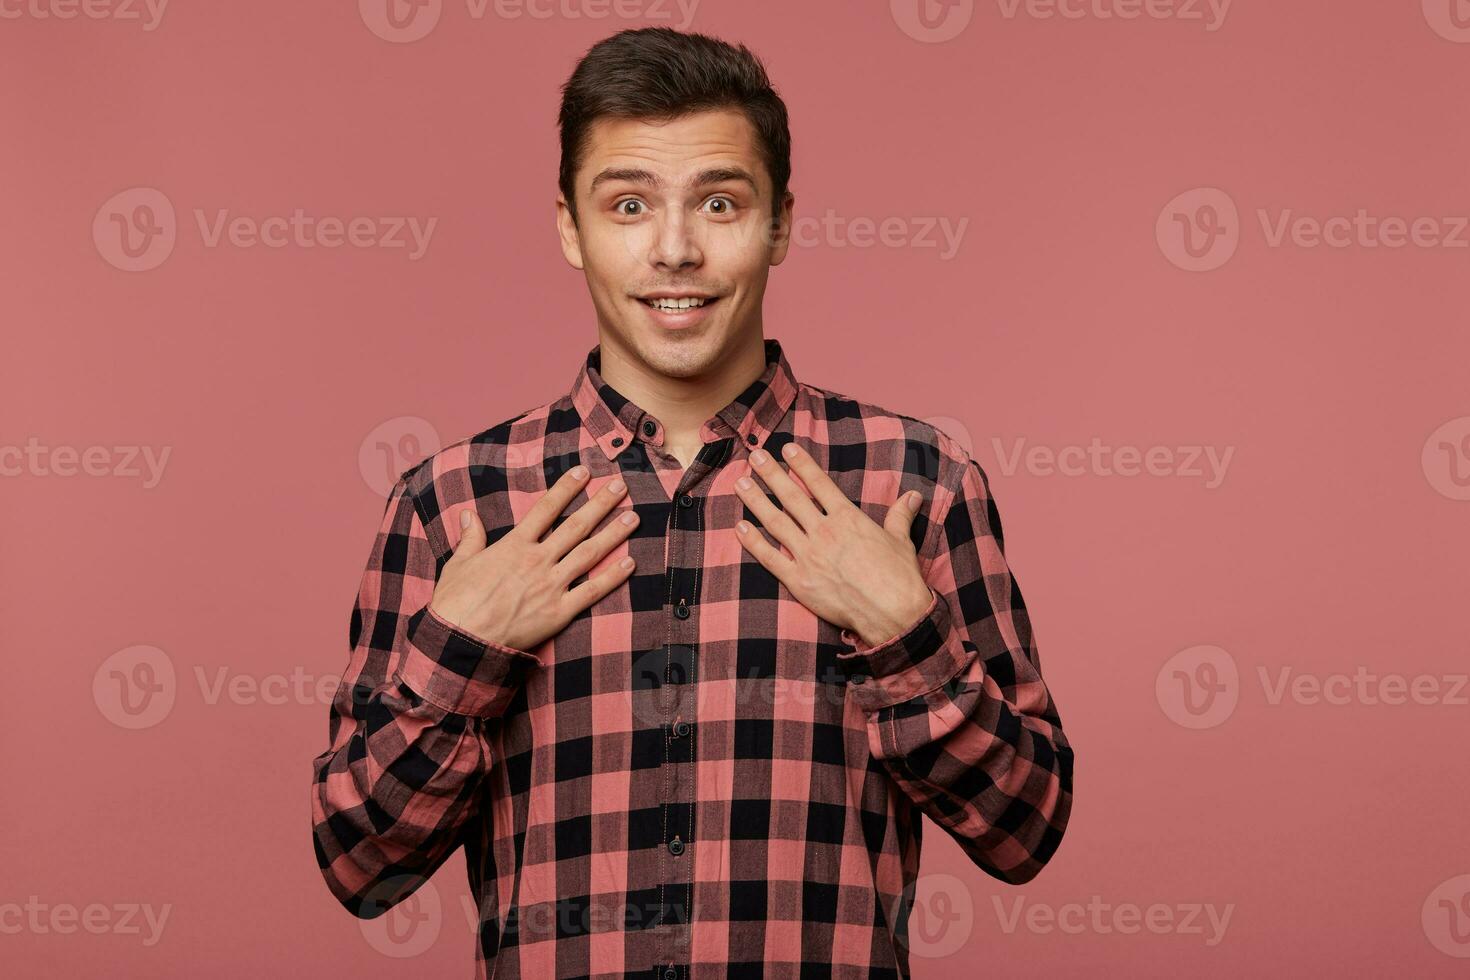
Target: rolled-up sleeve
{"x":957,"y":708}
{"x":406,"y":729}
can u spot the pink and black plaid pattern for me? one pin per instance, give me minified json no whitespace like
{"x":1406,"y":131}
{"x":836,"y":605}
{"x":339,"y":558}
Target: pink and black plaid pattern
{"x":698,"y":777}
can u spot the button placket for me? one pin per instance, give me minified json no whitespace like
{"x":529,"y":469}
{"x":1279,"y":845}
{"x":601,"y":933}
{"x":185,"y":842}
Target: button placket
{"x":684,"y":564}
{"x":684,"y":553}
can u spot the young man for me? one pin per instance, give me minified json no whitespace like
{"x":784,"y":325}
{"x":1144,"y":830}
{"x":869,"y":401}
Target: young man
{"x":685,"y":725}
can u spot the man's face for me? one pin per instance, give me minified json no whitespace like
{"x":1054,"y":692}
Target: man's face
{"x":677,"y":210}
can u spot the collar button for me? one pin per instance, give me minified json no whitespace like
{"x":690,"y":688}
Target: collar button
{"x":649,"y":428}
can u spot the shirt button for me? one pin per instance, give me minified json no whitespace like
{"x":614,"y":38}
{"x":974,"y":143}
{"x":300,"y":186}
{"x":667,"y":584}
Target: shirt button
{"x":681,"y":728}
{"x":685,"y":500}
{"x":670,"y":973}
{"x":649,"y":428}
{"x":676,"y":846}
{"x":682,"y":611}
{"x":858,"y":678}
{"x":751,"y":439}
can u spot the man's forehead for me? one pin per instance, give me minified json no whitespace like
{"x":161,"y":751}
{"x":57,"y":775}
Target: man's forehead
{"x":679,"y":148}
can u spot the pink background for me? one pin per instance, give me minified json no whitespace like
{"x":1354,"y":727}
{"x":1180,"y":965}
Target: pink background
{"x":1336,"y":540}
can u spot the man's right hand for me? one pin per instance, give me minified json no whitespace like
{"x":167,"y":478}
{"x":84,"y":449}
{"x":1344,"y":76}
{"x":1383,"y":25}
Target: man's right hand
{"x":515,"y":592}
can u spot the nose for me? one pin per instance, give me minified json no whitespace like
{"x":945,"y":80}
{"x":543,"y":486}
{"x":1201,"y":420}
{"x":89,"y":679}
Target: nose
{"x":675,"y":245}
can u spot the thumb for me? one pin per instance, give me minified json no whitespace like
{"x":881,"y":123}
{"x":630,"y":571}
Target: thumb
{"x":471,"y":533}
{"x":901,"y":514}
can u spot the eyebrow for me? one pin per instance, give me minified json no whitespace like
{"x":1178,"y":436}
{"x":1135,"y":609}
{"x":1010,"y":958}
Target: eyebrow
{"x":637,"y":175}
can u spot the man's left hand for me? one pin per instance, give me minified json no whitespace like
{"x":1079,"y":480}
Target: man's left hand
{"x":840,"y":564}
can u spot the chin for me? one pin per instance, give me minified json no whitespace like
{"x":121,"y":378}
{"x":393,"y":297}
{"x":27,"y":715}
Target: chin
{"x":681,"y":355}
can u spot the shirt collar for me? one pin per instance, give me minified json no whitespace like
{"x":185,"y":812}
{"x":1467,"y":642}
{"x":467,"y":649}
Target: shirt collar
{"x":613,"y":421}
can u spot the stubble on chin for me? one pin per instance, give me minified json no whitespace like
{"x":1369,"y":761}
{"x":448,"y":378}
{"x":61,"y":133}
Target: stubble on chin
{"x":689,"y":359}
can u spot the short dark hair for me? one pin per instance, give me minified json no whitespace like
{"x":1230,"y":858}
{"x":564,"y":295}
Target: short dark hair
{"x":658,"y":73}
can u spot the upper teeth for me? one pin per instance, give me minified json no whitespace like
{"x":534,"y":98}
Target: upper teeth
{"x":676,"y":304}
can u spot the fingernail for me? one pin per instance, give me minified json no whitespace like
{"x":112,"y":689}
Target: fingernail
{"x":742,"y":527}
{"x":744,"y":483}
{"x":615,"y":486}
{"x":629,"y":517}
{"x":789,"y":449}
{"x":759,"y":457}
{"x":626,"y":562}
{"x":579,"y":472}
{"x":464,"y":519}
{"x":914,"y":500}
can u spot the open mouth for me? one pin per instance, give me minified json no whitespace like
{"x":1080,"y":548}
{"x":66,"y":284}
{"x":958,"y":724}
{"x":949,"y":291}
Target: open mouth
{"x":680,"y":305}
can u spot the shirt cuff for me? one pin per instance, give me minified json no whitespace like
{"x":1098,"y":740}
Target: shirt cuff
{"x":459,"y":672}
{"x":915,"y":661}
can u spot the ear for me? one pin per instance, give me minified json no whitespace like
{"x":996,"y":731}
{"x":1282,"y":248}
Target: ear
{"x":566,"y":229}
{"x":780,"y":230}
